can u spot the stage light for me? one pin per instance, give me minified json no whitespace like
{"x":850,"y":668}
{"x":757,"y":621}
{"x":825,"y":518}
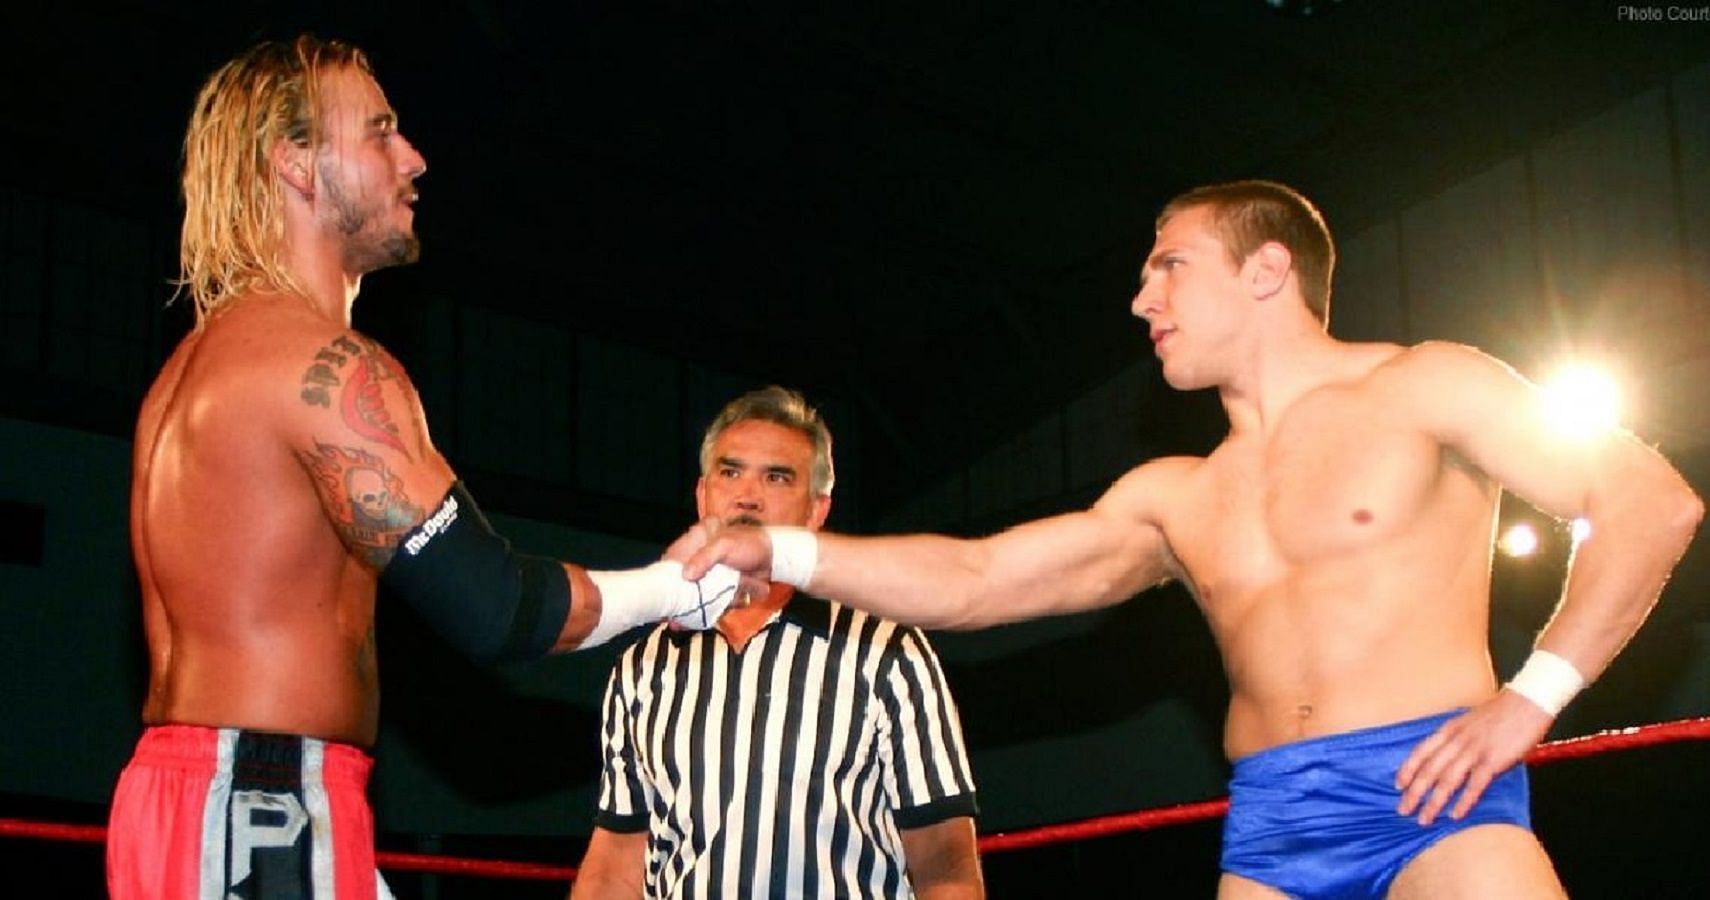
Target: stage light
{"x":1521,"y":539}
{"x":1581,"y":401}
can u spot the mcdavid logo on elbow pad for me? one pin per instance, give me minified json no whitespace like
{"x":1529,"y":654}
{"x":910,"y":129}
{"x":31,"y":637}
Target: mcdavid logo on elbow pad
{"x":436,"y":523}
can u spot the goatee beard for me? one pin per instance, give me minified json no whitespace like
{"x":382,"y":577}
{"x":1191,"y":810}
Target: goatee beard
{"x":393,"y":250}
{"x":402,"y":249}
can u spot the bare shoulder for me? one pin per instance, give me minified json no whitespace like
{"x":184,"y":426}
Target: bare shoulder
{"x":1451,"y":389}
{"x":263,"y":343}
{"x":1428,"y":361}
{"x":273,"y":353}
{"x":340,"y":408}
{"x":1147,"y":490}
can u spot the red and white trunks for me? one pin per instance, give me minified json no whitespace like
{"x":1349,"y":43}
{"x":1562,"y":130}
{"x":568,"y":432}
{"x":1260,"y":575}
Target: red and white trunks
{"x":212,"y":813}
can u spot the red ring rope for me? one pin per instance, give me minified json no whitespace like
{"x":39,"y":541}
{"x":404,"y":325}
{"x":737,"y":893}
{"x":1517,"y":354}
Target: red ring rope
{"x":1571,"y":748}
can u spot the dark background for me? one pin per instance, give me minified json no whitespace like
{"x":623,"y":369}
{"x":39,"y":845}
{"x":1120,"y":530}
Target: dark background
{"x":927,"y":217}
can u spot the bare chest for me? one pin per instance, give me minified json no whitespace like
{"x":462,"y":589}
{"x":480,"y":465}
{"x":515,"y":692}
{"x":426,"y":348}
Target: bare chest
{"x":1335,"y":482}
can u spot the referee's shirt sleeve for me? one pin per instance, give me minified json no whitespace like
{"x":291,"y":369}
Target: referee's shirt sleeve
{"x":929,"y":779}
{"x":622,"y":806}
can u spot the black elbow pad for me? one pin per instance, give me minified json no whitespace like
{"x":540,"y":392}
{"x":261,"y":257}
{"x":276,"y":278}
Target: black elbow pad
{"x":491,"y":603}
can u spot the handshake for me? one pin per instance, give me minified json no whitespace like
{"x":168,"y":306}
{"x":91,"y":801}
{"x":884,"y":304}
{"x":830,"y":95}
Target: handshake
{"x":711,"y":568}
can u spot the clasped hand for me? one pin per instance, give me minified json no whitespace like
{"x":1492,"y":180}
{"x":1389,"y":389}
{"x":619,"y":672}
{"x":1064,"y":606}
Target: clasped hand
{"x":744,"y":548}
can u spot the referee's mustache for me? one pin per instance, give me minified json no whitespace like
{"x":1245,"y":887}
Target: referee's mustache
{"x":745,"y":519}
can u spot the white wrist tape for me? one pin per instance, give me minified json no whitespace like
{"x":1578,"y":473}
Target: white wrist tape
{"x":795,"y":554}
{"x":1547,"y":680}
{"x":632,"y":597}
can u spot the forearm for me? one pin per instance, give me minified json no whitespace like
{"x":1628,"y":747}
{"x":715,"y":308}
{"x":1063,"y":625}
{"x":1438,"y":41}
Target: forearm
{"x":596,"y":886}
{"x":607,"y":603}
{"x":612,"y":867}
{"x":924,"y":580}
{"x":1064,"y":564}
{"x":944,"y":860}
{"x":1639,"y":530}
{"x":965,"y":886}
{"x":585,"y":606}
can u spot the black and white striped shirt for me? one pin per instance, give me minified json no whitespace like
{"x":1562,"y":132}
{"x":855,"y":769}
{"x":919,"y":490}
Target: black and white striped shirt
{"x":785,"y":770}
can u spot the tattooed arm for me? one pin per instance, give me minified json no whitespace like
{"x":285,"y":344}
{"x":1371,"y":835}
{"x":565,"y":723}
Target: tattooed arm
{"x":394,"y":503}
{"x":364,"y":441}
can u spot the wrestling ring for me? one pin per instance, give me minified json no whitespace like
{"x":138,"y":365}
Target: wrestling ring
{"x":1597,"y":744}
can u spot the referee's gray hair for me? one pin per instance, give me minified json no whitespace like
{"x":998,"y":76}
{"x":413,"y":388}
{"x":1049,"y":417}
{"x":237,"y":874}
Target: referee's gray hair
{"x":784,"y":407}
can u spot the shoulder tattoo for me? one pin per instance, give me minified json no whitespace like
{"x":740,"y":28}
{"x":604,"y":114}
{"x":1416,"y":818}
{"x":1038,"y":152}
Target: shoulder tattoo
{"x":357,"y":369}
{"x":364,"y":499}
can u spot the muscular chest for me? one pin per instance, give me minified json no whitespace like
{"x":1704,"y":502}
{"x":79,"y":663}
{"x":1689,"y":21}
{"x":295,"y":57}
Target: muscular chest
{"x":1336,"y":479}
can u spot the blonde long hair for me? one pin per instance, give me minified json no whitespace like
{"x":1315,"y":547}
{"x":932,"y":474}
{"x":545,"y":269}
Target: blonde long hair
{"x":234,"y":221}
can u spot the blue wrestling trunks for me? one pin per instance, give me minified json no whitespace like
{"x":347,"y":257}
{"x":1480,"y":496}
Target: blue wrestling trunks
{"x":1316,"y":818}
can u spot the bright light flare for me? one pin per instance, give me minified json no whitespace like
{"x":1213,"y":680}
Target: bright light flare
{"x":1581,"y":529}
{"x":1521,"y":539}
{"x":1581,"y":401}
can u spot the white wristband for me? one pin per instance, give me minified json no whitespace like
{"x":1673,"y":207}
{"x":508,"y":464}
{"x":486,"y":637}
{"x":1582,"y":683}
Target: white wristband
{"x":1548,"y":681}
{"x":632,"y":597}
{"x":795,"y":554}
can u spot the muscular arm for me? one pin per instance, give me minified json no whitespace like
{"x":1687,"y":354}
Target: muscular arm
{"x":357,"y":429}
{"x":1064,"y":564}
{"x":1642,"y":513}
{"x":613,"y":866}
{"x":943,"y":860}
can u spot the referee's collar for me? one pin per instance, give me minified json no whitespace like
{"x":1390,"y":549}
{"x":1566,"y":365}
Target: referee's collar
{"x":808,"y":613}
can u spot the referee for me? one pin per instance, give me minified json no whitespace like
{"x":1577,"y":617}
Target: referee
{"x":801,"y":749}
